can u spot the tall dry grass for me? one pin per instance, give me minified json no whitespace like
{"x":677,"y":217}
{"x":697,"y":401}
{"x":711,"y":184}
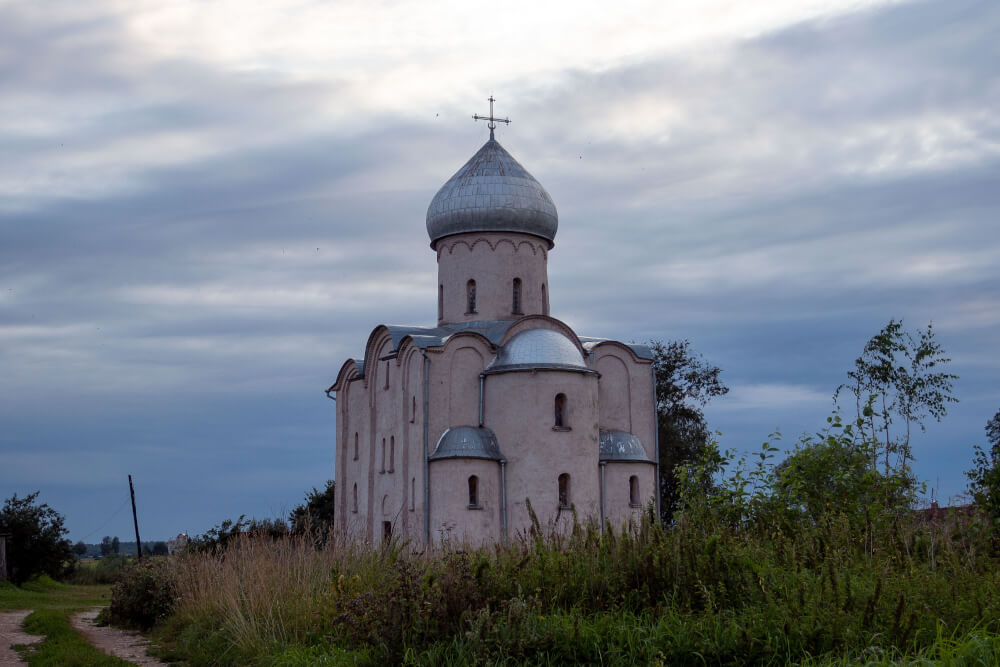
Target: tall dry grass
{"x":260,"y":592}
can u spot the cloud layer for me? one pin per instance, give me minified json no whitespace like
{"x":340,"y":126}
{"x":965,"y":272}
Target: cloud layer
{"x":204,"y":209}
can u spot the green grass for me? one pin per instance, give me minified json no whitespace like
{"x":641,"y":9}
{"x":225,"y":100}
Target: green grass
{"x":63,"y":646}
{"x":52,"y":604}
{"x":44,"y":593}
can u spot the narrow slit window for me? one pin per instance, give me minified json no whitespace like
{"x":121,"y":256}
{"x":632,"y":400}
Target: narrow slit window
{"x":515,"y":307}
{"x":470,"y":293}
{"x":560,"y":411}
{"x":392,"y":453}
{"x":386,"y":530}
{"x":545,"y":301}
{"x":473,"y":491}
{"x":383,"y":456}
{"x":386,"y":375}
{"x":356,"y":452}
{"x":413,"y":411}
{"x":354,"y":503}
{"x":564,"y":491}
{"x":440,"y":302}
{"x":413,"y":493}
{"x":633,"y":491}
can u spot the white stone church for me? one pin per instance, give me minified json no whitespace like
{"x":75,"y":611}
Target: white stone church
{"x":446,"y":432}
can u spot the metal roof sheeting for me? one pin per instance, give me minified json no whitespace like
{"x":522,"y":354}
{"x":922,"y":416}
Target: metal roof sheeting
{"x":492,"y":192}
{"x":622,"y":446}
{"x":467,"y":442}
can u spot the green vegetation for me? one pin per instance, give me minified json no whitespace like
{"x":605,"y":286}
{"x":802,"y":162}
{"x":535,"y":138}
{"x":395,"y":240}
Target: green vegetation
{"x":63,"y":646}
{"x":106,"y":570}
{"x":36,"y":544}
{"x":685,"y":383}
{"x":984,"y":478}
{"x":766,"y":567}
{"x":53,"y":604}
{"x":143,"y":596}
{"x":315,"y":515}
{"x":44,"y":593}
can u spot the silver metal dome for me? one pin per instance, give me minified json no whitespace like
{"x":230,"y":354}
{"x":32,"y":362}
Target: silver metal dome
{"x":538,"y":349}
{"x":622,"y":446}
{"x":467,"y":442}
{"x":492,"y":193}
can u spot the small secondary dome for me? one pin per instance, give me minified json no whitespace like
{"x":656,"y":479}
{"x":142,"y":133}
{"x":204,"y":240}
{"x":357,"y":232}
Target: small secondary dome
{"x":538,"y":349}
{"x":467,"y":442}
{"x":492,"y":193}
{"x":622,"y":446}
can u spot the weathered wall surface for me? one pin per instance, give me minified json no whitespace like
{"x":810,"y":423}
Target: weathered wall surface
{"x":493,"y":261}
{"x":452,"y":519}
{"x":617,"y":501}
{"x":520,"y":411}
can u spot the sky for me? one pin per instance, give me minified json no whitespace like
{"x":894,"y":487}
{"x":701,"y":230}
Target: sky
{"x":205,"y":208}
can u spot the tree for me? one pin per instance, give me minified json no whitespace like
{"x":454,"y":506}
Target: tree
{"x":160,"y":548}
{"x":115,"y":545}
{"x":106,"y":545}
{"x":993,"y":430}
{"x":896,"y":385}
{"x":36,"y":544}
{"x":315,"y":516}
{"x":80,"y":548}
{"x":984,"y":478}
{"x":831,"y":473}
{"x":685,"y":383}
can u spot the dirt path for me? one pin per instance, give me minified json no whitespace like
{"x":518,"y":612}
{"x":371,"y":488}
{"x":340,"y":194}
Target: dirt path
{"x":129,"y":646}
{"x":10,"y":634}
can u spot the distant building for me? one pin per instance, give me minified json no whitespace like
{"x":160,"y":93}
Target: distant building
{"x":177,"y":544}
{"x":448,"y":431}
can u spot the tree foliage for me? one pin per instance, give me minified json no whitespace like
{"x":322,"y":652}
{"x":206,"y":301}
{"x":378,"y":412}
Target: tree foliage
{"x":984,"y":478}
{"x":36,"y":544}
{"x":218,"y":537}
{"x":315,"y":515}
{"x":993,"y":430}
{"x":685,"y":383}
{"x":897,"y":384}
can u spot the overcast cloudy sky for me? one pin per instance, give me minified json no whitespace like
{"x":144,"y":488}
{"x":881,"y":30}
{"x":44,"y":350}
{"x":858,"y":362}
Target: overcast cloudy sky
{"x":205,"y":207}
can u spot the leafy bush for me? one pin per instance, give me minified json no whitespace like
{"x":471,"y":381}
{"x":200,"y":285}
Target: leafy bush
{"x":144,"y":595}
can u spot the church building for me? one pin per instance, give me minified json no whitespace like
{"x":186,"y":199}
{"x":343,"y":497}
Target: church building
{"x":455,"y":432}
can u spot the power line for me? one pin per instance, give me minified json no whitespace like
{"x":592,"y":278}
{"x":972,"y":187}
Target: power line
{"x":110,"y":518}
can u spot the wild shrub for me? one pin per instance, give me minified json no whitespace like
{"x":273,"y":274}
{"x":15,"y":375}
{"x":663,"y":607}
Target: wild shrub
{"x":144,"y":595}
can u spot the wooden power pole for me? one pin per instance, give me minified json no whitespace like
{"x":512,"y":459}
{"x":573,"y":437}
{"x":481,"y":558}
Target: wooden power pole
{"x":135,"y":520}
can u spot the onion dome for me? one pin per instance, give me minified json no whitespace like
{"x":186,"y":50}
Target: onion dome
{"x":492,"y":193}
{"x":536,"y":349}
{"x":467,"y":442}
{"x":622,"y":446}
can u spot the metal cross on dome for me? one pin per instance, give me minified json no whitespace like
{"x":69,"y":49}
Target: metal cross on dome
{"x":492,"y":121}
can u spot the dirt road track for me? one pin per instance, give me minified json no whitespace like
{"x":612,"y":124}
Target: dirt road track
{"x":11,"y":633}
{"x":125,"y":645}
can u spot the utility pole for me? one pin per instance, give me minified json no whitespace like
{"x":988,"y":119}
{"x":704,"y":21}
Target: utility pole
{"x":135,"y":520}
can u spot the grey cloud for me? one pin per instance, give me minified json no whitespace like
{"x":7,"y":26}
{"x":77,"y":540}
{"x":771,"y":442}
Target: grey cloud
{"x":183,"y":319}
